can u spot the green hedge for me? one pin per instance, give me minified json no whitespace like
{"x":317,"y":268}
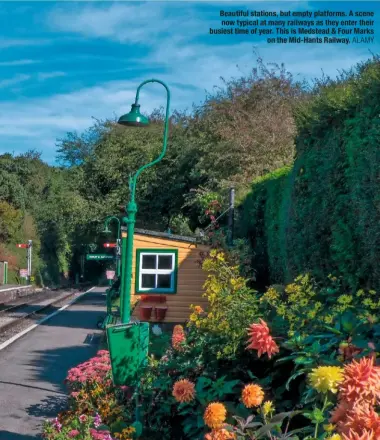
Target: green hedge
{"x":323,"y":215}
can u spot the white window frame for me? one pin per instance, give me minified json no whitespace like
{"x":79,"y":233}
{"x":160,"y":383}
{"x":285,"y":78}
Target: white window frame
{"x":156,"y":272}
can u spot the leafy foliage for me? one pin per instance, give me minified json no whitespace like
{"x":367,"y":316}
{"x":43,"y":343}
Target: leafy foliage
{"x":322,"y":215}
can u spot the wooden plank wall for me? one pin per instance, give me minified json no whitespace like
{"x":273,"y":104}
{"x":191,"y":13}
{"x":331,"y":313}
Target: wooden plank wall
{"x":190,"y":279}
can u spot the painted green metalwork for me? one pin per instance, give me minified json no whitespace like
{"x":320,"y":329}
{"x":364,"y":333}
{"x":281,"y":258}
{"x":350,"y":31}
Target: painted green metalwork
{"x":128,"y":345}
{"x":175,"y":271}
{"x":107,"y":221}
{"x":134,"y":118}
{"x":128,"y":342}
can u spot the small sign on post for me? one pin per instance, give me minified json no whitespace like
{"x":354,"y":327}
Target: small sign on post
{"x":24,"y":273}
{"x":110,"y":274}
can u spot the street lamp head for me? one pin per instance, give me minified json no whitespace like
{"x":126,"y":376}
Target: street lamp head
{"x":106,"y":230}
{"x":134,"y":117}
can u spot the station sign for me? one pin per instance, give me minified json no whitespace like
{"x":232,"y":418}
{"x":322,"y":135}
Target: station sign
{"x":99,"y":257}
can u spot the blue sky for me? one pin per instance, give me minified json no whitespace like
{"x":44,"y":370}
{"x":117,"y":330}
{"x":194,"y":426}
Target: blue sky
{"x":62,"y":63}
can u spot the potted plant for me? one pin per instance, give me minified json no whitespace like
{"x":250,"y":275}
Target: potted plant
{"x":145,"y":312}
{"x":160,"y":312}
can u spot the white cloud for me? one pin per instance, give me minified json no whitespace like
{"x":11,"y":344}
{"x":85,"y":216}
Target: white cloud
{"x":4,"y":44}
{"x":122,"y":22}
{"x":47,"y":75}
{"x":15,"y":80}
{"x":18,"y":62}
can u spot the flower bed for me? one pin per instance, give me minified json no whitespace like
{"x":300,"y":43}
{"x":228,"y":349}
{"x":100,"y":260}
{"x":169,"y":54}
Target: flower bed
{"x":296,"y":362}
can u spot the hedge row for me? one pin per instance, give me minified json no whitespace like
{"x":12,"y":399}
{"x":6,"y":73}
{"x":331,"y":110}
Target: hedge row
{"x":323,"y":214}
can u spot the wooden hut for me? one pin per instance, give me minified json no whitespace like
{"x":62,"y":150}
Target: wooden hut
{"x":167,"y":277}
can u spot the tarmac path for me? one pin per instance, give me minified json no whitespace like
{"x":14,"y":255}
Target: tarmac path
{"x":32,"y":369}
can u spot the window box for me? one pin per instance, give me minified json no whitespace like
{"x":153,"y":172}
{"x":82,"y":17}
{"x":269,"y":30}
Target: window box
{"x":153,"y":298}
{"x":156,"y":271}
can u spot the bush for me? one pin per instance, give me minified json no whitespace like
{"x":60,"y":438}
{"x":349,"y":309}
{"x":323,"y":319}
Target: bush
{"x":322,"y":216}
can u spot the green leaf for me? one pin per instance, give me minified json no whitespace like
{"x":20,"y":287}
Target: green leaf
{"x":291,"y":378}
{"x":318,"y":416}
{"x":333,"y":330}
{"x":316,"y":347}
{"x":229,"y":386}
{"x":284,"y":359}
{"x":279,"y":418}
{"x":302,"y":360}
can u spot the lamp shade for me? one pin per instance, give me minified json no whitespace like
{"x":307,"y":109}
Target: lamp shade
{"x":134,"y":117}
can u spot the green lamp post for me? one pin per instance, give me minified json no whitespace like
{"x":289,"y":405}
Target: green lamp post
{"x":128,"y":342}
{"x":107,"y":221}
{"x":135,"y":118}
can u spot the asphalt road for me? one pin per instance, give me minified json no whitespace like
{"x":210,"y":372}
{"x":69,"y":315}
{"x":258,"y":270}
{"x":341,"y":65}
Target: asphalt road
{"x":33,"y":368}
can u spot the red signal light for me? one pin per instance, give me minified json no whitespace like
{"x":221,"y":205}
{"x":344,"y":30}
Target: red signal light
{"x":22,"y":245}
{"x":109,"y":245}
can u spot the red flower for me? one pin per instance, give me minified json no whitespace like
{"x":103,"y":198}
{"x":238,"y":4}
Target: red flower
{"x":261,"y":340}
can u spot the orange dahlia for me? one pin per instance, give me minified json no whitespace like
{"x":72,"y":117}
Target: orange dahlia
{"x":178,"y":337}
{"x":367,"y":435}
{"x":215,"y":415}
{"x":340,"y":411}
{"x":221,"y":434}
{"x":361,"y":381}
{"x":198,"y":310}
{"x":361,"y":418}
{"x":184,"y":391}
{"x":261,"y":340}
{"x":252,"y":395}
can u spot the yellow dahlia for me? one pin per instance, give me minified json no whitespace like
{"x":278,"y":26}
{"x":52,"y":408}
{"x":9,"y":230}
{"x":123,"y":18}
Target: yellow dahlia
{"x":215,"y":415}
{"x":334,"y":437}
{"x":184,"y":391}
{"x":252,"y":395}
{"x":361,"y":381}
{"x":268,"y":407}
{"x":324,"y":379}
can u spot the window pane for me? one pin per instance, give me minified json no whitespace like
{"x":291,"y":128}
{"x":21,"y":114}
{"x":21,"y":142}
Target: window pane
{"x":149,"y":262}
{"x":148,"y":281}
{"x":164,"y":281}
{"x":165,"y":262}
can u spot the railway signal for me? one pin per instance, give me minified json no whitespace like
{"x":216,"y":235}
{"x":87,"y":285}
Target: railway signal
{"x":110,"y":245}
{"x":27,"y":246}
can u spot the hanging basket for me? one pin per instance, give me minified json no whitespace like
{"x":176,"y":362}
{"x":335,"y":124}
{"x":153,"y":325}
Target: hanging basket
{"x":145,"y":312}
{"x":160,"y":313}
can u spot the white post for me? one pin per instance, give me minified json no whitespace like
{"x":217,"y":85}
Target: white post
{"x":29,"y":260}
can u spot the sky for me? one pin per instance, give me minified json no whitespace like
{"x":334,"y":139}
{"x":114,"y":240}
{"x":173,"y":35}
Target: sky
{"x":64,"y":63}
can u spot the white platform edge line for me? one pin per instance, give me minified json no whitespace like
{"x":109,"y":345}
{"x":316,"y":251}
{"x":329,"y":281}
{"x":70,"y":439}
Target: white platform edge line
{"x":41,"y":321}
{"x":13,"y":288}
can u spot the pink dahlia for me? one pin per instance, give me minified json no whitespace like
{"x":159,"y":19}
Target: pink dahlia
{"x":261,"y":340}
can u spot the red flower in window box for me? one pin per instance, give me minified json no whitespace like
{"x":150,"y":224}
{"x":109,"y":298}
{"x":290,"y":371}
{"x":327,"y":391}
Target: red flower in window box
{"x":153,"y":298}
